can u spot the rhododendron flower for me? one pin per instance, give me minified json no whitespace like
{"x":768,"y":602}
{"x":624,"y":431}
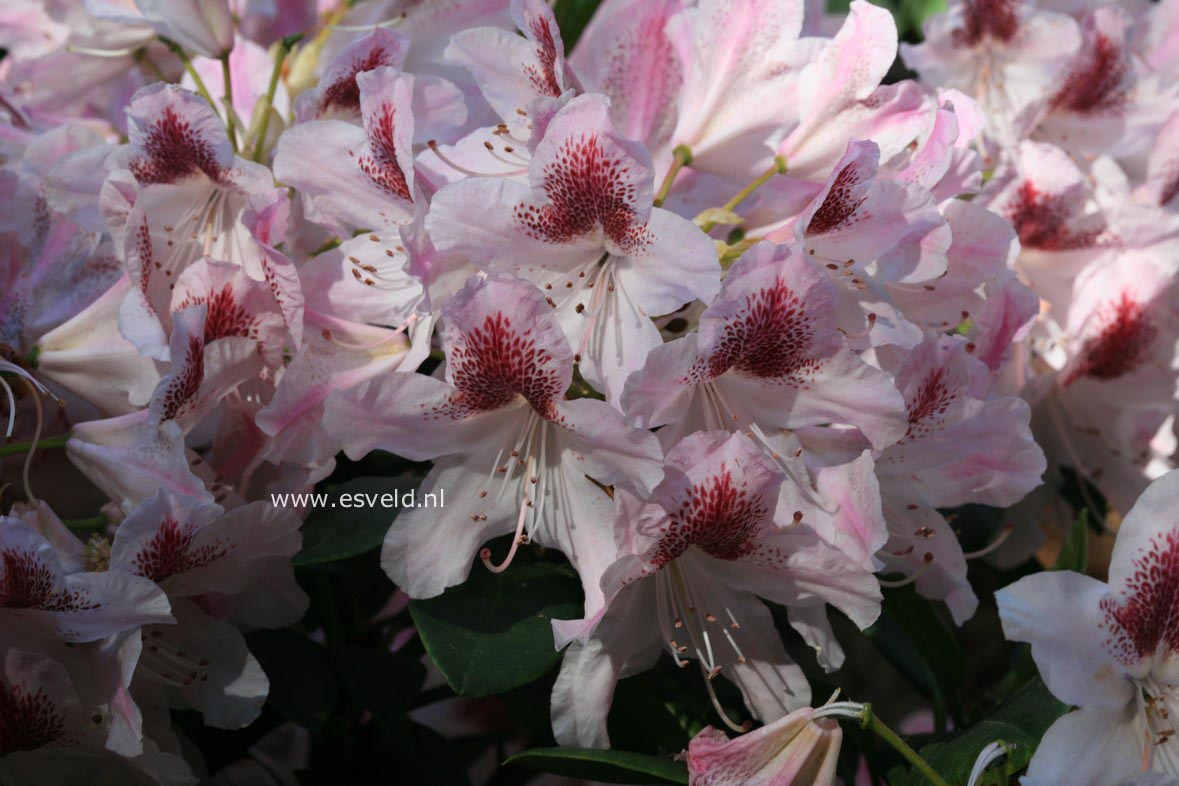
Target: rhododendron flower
{"x":188,"y":192}
{"x":512,"y":71}
{"x":509,"y":451}
{"x":356,"y":178}
{"x":201,"y":26}
{"x":52,"y":734}
{"x":1108,"y":649}
{"x":768,"y":357}
{"x":1007,"y":54}
{"x":870,"y":233}
{"x":40,"y":597}
{"x":695,"y":557}
{"x":954,"y":422}
{"x":795,"y":750}
{"x":204,"y":558}
{"x":586,"y":233}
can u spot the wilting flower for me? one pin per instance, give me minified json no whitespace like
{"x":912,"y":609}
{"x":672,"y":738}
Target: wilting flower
{"x":1109,"y":649}
{"x":796,"y":750}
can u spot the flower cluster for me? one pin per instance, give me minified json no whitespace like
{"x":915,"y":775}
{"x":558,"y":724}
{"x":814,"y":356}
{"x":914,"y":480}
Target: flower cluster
{"x":708,"y":305}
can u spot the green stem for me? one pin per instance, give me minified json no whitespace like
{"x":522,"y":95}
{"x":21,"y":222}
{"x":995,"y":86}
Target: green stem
{"x":178,"y":50}
{"x":682,"y":157}
{"x":94,"y":522}
{"x":18,"y":448}
{"x":280,"y":57}
{"x":779,"y":168}
{"x":230,"y":113}
{"x":144,"y":59}
{"x":872,"y":723}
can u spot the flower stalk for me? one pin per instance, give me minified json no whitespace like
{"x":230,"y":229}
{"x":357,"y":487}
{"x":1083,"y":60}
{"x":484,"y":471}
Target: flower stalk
{"x":682,"y":156}
{"x":284,"y":48}
{"x":869,"y":721}
{"x":19,"y":448}
{"x":230,"y":114}
{"x":201,"y":87}
{"x":779,"y":168}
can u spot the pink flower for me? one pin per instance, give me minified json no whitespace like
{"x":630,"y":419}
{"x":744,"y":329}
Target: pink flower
{"x":354,"y":178}
{"x":53,"y":730}
{"x":585,"y":232}
{"x":795,"y":750}
{"x":217,"y":567}
{"x":1006,"y":54}
{"x":40,"y":597}
{"x":203,"y":27}
{"x":695,"y":556}
{"x":513,"y":71}
{"x":510,"y":452}
{"x":768,"y":357}
{"x":181,"y":197}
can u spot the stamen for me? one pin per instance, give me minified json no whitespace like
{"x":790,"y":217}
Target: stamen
{"x":716,"y":705}
{"x":369,"y":28}
{"x":92,"y":52}
{"x":985,"y":550}
{"x":839,"y":709}
{"x":912,"y":578}
{"x":433,"y":145}
{"x":863,"y":334}
{"x":485,"y":553}
{"x":988,"y":756}
{"x":36,"y":436}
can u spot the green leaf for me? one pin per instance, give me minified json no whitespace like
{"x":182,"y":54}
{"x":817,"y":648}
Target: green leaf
{"x":493,"y":633}
{"x":606,"y":766}
{"x":337,"y":533}
{"x":1074,"y":553}
{"x":383,"y":682}
{"x":647,"y":716}
{"x":302,"y":686}
{"x":572,"y":17}
{"x":915,"y":637}
{"x":1019,"y":722}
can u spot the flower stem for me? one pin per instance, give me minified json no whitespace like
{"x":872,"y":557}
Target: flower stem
{"x":779,"y":168}
{"x":230,"y":114}
{"x":144,"y":59}
{"x":178,"y":50}
{"x":682,"y":157}
{"x":868,"y":720}
{"x":280,"y":57}
{"x":94,"y":522}
{"x":17,"y":448}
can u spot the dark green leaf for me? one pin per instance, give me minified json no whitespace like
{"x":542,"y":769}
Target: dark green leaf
{"x":336,"y":533}
{"x":493,"y":633}
{"x":606,"y":766}
{"x":383,"y":682}
{"x":1019,"y":722}
{"x":647,"y":716}
{"x":921,"y":644}
{"x":572,"y":17}
{"x":302,"y":685}
{"x":1074,"y":553}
